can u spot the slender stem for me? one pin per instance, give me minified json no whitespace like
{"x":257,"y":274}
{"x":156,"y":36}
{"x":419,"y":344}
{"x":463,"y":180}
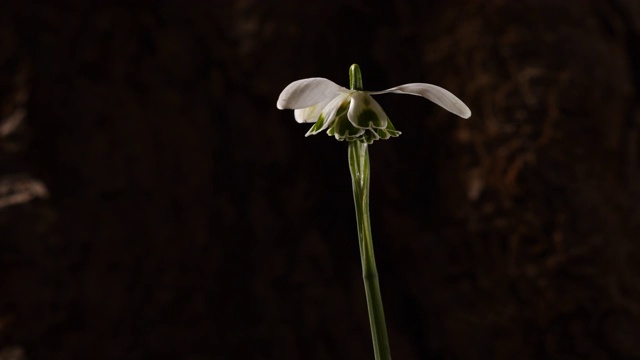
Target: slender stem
{"x":359,"y":166}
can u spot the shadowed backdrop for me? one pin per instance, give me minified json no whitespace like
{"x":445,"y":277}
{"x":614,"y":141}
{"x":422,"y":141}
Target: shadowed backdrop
{"x":154,"y":203}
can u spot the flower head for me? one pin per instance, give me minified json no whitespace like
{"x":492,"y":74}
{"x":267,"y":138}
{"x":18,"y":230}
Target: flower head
{"x":354,"y":114}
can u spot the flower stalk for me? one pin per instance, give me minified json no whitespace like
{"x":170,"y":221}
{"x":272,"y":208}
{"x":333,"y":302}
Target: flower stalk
{"x":359,"y":166}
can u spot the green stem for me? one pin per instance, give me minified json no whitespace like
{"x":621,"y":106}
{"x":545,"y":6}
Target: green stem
{"x":359,"y":166}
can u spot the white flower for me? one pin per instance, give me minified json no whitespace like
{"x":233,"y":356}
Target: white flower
{"x":352,"y":114}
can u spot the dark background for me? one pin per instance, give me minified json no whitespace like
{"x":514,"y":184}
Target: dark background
{"x":157,"y":205}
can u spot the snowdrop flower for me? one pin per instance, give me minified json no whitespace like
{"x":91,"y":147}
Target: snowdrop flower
{"x":354,"y":114}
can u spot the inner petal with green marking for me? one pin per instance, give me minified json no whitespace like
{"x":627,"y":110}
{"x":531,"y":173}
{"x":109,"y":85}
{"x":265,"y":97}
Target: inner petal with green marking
{"x":365,"y":112}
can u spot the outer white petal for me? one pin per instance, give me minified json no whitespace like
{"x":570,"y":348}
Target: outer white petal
{"x":307,"y":92}
{"x":361,"y":102}
{"x":434,"y":93}
{"x":310,"y":114}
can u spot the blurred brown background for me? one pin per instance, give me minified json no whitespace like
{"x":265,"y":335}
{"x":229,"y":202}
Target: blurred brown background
{"x":154,"y":203}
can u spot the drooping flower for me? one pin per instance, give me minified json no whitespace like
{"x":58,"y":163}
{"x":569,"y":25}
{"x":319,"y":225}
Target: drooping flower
{"x":354,"y":114}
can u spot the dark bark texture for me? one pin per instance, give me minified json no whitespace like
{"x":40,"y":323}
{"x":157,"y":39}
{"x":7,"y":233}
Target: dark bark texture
{"x":154,"y":203}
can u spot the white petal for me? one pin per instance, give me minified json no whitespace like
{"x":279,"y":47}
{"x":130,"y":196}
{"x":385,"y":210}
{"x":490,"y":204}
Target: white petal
{"x":307,"y":92}
{"x":365,"y":112}
{"x":434,"y":93}
{"x":310,"y":114}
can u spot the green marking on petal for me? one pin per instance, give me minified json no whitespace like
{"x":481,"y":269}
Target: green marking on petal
{"x":343,"y":129}
{"x":368,"y":119}
{"x":317,"y":127}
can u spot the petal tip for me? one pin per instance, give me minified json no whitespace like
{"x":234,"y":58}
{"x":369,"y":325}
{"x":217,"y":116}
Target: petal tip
{"x":282,"y":103}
